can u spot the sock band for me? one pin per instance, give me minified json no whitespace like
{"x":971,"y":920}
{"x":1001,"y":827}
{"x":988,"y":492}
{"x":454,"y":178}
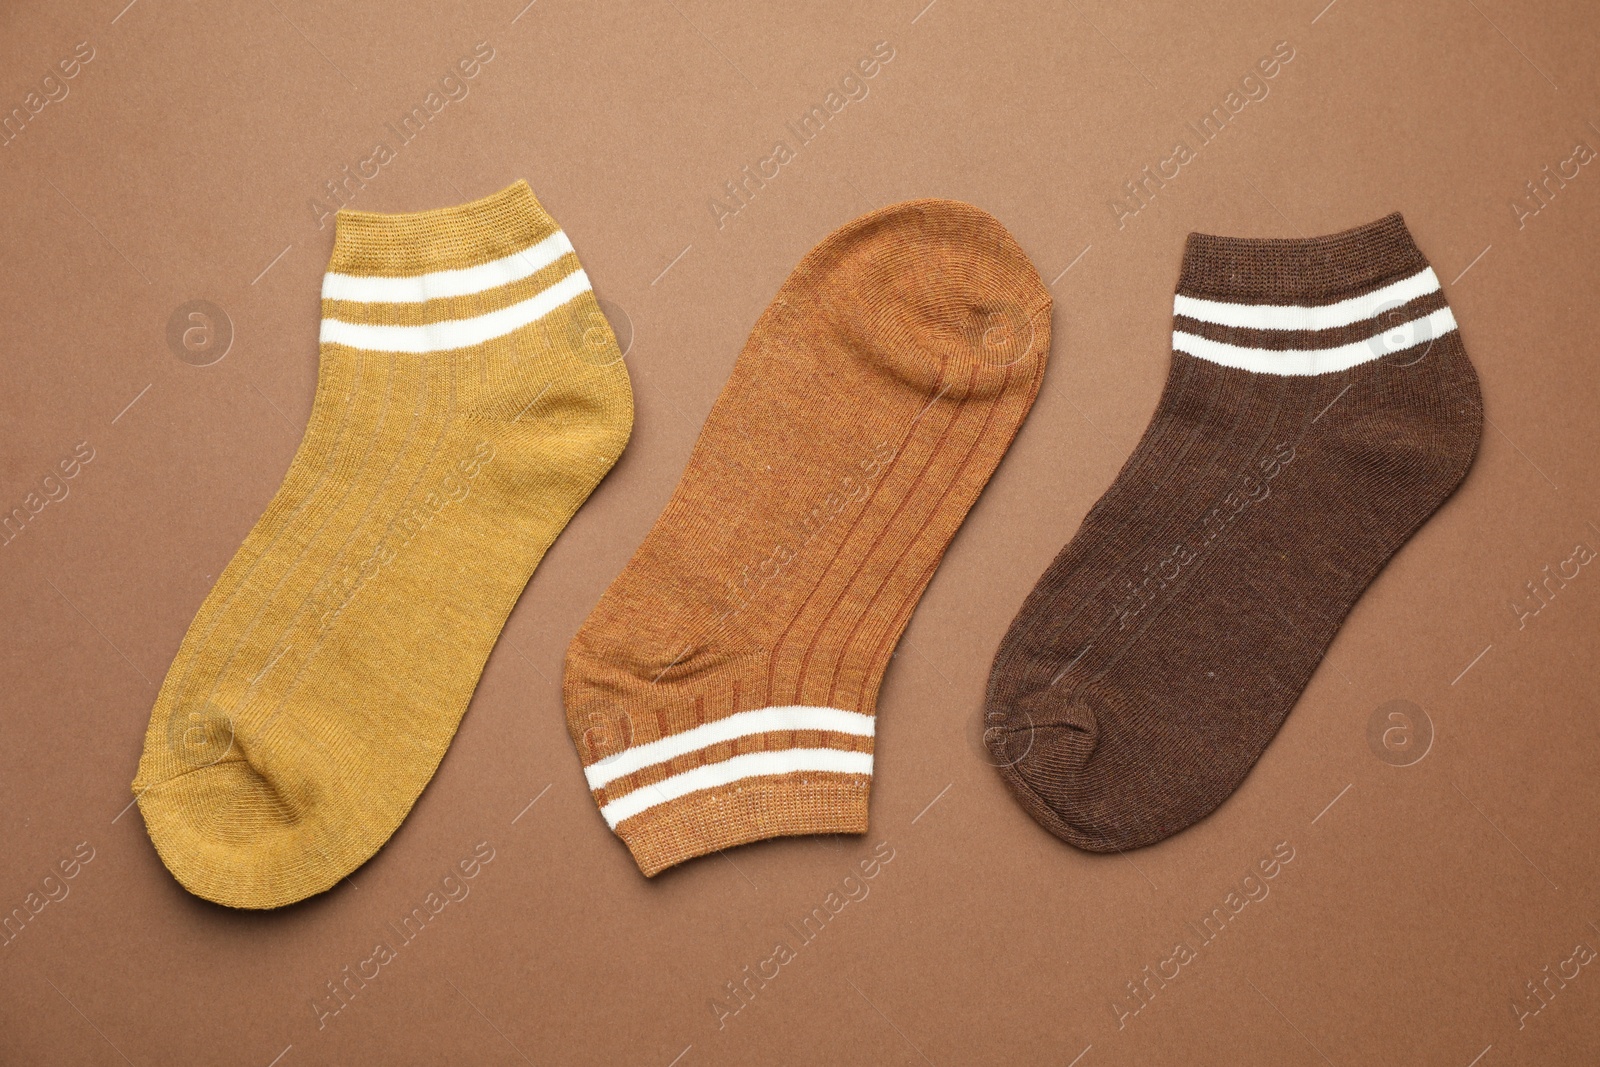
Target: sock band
{"x":733,"y":770}
{"x":1315,"y":317}
{"x":435,"y":285}
{"x":1297,"y":354}
{"x":736,"y":726}
{"x":448,"y":334}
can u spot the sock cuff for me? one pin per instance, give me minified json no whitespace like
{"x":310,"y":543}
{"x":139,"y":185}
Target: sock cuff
{"x":1308,"y":306}
{"x":1298,"y":271}
{"x":756,"y":809}
{"x":448,"y":238}
{"x":769,"y":772}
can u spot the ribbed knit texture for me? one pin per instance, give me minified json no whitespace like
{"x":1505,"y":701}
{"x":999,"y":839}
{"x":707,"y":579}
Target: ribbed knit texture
{"x":1318,"y":409}
{"x":470,"y":396}
{"x":725,"y":688}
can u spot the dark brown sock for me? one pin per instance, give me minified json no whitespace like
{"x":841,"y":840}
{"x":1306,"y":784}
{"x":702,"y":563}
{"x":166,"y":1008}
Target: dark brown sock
{"x":1318,"y":409}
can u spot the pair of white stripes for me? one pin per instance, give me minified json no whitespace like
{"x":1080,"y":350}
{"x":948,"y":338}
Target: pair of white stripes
{"x":738,"y":768}
{"x":1307,"y":361}
{"x":452,"y":333}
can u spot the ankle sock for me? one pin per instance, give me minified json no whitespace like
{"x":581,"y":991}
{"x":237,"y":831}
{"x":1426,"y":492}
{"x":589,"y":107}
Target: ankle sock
{"x":725,"y":687}
{"x":470,"y":396}
{"x":1318,"y":409}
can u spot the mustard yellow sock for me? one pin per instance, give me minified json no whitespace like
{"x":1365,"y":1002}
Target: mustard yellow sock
{"x":469,"y":398}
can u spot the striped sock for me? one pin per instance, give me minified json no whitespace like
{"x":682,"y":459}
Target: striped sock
{"x":725,"y":687}
{"x":469,"y":397}
{"x":1318,"y":409}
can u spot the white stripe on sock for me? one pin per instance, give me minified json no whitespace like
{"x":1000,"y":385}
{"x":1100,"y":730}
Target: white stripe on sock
{"x":749,"y":765}
{"x":444,"y":283}
{"x":1323,"y":317}
{"x":744,"y":724}
{"x":1307,"y":361}
{"x":456,"y":333}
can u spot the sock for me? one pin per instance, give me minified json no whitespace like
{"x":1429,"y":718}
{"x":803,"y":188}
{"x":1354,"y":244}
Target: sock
{"x":725,"y":687}
{"x":469,"y":397}
{"x":1318,"y":409}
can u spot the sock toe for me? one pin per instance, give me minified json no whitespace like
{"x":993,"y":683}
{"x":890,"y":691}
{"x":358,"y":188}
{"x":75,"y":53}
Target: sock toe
{"x":246,"y":830}
{"x":1050,"y":747}
{"x":1061,"y":731}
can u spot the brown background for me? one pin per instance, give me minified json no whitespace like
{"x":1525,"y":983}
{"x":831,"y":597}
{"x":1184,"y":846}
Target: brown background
{"x":180,"y":166}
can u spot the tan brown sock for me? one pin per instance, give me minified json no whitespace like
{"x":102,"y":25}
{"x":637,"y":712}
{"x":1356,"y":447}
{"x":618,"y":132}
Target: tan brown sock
{"x":724,"y":689}
{"x":1319,"y":408}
